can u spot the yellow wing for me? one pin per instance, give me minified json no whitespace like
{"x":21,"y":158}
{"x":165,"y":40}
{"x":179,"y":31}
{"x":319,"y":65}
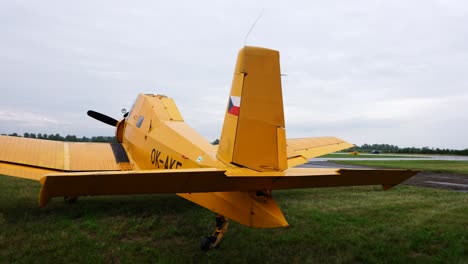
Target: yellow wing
{"x":33,"y":158}
{"x":241,"y":194}
{"x":300,"y":150}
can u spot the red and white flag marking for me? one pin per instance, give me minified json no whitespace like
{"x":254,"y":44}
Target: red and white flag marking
{"x":234,"y":105}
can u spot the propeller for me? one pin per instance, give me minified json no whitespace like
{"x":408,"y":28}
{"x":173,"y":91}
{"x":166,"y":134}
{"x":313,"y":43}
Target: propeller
{"x":103,"y":118}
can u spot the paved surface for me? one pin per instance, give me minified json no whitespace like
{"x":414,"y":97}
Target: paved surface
{"x":447,"y":181}
{"x":345,"y":156}
{"x":456,"y":182}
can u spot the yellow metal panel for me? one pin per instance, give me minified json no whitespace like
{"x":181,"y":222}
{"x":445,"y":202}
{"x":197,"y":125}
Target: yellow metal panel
{"x":171,"y":109}
{"x":193,"y":145}
{"x":298,"y":144}
{"x":242,"y":207}
{"x":228,"y":139}
{"x":246,"y":172}
{"x":21,"y":171}
{"x":261,"y":111}
{"x":322,"y":150}
{"x":192,"y":136}
{"x":293,"y":162}
{"x":162,"y":141}
{"x":56,"y":156}
{"x":127,"y":182}
{"x":208,"y":180}
{"x":253,"y":143}
{"x":175,"y":142}
{"x":92,"y":156}
{"x":157,"y":108}
{"x":34,"y":152}
{"x":125,"y":166}
{"x":132,"y":117}
{"x":301,"y":150}
{"x":281,"y":143}
{"x":228,"y":134}
{"x":345,"y":177}
{"x":66,"y":156}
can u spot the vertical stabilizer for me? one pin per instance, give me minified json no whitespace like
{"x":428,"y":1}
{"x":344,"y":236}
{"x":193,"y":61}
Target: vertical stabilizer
{"x":253,"y":134}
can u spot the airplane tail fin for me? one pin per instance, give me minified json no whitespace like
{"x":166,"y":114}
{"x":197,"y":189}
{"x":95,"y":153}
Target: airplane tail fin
{"x":253,"y":134}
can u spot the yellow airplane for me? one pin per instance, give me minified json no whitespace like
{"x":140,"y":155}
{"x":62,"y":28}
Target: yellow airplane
{"x":159,"y":153}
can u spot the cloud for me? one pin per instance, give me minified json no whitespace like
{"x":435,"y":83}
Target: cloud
{"x":27,"y":119}
{"x":372,"y":72}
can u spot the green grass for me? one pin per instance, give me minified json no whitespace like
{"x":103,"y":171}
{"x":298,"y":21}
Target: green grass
{"x":327,"y":225}
{"x":450,"y":166}
{"x":368,"y":156}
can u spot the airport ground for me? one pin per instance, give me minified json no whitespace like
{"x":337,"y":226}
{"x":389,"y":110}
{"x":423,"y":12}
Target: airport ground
{"x":408,"y":223}
{"x":437,"y":171}
{"x":449,"y":175}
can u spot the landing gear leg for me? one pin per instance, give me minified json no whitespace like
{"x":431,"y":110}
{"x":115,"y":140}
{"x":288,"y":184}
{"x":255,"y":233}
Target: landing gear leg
{"x":211,"y":242}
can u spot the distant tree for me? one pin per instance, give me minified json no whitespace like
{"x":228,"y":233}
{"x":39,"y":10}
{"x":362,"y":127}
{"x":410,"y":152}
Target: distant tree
{"x":71,"y":138}
{"x":58,"y":137}
{"x":385,"y":148}
{"x":103,"y":139}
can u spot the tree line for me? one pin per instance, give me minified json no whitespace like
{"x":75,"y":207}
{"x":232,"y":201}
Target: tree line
{"x":386,"y":148}
{"x":383,"y":148}
{"x":69,"y":138}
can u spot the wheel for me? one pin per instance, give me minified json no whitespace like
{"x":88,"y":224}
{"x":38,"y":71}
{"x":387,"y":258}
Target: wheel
{"x":206,"y":243}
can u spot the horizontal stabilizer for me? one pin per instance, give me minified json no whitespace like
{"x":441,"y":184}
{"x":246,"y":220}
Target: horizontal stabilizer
{"x":295,"y":178}
{"x":300,"y":150}
{"x":209,"y":180}
{"x":126,"y":182}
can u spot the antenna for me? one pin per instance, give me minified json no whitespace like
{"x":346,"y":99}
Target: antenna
{"x":258,"y":18}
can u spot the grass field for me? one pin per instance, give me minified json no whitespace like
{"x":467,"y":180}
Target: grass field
{"x":328,"y":225}
{"x":450,"y":166}
{"x":367,"y":156}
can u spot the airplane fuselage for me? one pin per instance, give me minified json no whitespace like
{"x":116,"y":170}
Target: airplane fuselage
{"x":155,"y":136}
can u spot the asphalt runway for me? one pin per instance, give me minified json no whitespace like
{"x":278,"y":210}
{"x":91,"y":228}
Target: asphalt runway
{"x":446,"y":181}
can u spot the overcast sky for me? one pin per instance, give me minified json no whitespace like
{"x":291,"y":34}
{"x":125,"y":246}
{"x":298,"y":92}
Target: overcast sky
{"x":391,"y":72}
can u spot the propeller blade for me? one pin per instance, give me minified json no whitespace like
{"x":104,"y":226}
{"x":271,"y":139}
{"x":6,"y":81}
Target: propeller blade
{"x":103,"y":118}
